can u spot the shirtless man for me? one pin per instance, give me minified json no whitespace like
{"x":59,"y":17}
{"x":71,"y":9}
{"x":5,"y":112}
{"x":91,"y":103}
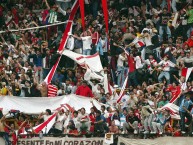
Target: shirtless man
{"x":2,"y":129}
{"x":43,"y":89}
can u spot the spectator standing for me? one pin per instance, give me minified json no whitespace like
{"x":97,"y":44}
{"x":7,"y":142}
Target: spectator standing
{"x":84,"y":90}
{"x":86,"y":40}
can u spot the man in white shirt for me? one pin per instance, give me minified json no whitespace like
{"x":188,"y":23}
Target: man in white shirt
{"x":70,"y":43}
{"x":120,"y":69}
{"x":76,"y":121}
{"x":166,"y":64}
{"x":61,"y":117}
{"x":84,"y":120}
{"x":45,"y":115}
{"x":87,"y":41}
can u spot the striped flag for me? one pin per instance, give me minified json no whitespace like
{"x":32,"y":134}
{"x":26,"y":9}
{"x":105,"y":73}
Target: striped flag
{"x":63,"y":41}
{"x":186,"y":72}
{"x":52,"y":90}
{"x":122,"y":90}
{"x":45,"y":126}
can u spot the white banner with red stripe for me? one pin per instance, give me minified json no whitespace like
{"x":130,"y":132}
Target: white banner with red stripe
{"x":92,"y":61}
{"x":174,"y":110}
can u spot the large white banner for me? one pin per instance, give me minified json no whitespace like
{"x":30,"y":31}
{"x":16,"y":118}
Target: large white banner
{"x":36,"y":105}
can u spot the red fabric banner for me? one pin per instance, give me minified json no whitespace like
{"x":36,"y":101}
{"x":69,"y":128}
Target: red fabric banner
{"x":63,"y":42}
{"x":81,"y":3}
{"x":106,"y":15}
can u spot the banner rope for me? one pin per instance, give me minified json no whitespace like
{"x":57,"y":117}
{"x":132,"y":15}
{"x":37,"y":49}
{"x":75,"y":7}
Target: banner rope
{"x":39,"y":27}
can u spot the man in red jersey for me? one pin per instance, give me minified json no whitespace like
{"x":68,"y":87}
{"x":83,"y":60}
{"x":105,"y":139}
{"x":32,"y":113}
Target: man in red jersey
{"x":84,"y":90}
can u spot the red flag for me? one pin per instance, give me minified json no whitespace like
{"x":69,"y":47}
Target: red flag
{"x":105,"y":11}
{"x":81,"y":3}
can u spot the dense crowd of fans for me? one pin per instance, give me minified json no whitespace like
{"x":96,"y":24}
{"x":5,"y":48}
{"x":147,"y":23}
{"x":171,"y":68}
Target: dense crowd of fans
{"x":144,"y":43}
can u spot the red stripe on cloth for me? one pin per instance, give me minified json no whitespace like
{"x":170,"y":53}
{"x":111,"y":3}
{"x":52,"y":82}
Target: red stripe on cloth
{"x":68,"y":26}
{"x":109,"y":89}
{"x":44,"y":124}
{"x":122,"y":90}
{"x":52,"y":71}
{"x":81,"y":3}
{"x":89,"y":56}
{"x":63,"y":42}
{"x":69,"y":107}
{"x":175,"y":97}
{"x":52,"y":90}
{"x":171,"y":111}
{"x":105,"y":11}
{"x":9,"y":22}
{"x":184,"y":72}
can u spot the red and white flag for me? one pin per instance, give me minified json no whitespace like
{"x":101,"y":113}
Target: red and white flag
{"x":174,"y":110}
{"x":45,"y":126}
{"x":63,"y":41}
{"x":92,"y":61}
{"x":122,"y":90}
{"x":52,"y":90}
{"x":108,"y":88}
{"x":186,"y":72}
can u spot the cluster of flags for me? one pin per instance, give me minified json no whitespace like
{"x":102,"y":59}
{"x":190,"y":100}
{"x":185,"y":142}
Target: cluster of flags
{"x":90,"y":60}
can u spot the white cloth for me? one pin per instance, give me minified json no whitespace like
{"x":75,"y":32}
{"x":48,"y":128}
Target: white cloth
{"x":87,"y":41}
{"x":36,"y":105}
{"x":85,"y":59}
{"x":92,"y":75}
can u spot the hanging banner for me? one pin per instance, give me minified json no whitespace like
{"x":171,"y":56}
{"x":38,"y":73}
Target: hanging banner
{"x":81,"y":3}
{"x":105,"y":11}
{"x":61,"y":141}
{"x":36,"y":105}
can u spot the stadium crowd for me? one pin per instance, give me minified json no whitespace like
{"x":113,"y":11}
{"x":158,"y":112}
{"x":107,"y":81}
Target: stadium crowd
{"x":149,"y":41}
